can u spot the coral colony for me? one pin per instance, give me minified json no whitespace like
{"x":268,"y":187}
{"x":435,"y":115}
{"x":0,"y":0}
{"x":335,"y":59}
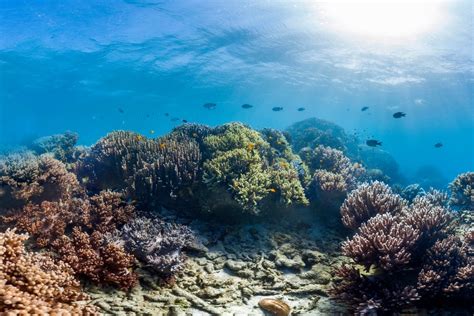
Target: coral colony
{"x":96,"y":215}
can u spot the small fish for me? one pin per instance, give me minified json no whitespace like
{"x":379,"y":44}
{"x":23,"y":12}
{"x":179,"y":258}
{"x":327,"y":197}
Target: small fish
{"x":250,"y":146}
{"x":175,"y":119}
{"x":184,"y":121}
{"x":162,"y":145}
{"x":140,"y":138}
{"x":273,"y":190}
{"x":373,"y":143}
{"x":277,"y":109}
{"x":365,"y":108}
{"x":438,"y":145}
{"x":398,"y":115}
{"x":152,"y":131}
{"x":167,"y":114}
{"x":210,"y":106}
{"x":300,"y":109}
{"x":247,"y":106}
{"x":121,"y":110}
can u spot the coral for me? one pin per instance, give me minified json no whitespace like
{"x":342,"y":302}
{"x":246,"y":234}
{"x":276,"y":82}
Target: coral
{"x":333,"y":175}
{"x":152,"y":171}
{"x":368,"y":295}
{"x":462,"y":191}
{"x":62,"y":146}
{"x":25,"y":177}
{"x":448,"y":270}
{"x":368,"y":200}
{"x":92,"y":257}
{"x":36,"y":284}
{"x":313,"y":132}
{"x":383,"y":241}
{"x":379,"y":159}
{"x":242,"y":163}
{"x":410,"y":192}
{"x":158,"y":244}
{"x":50,"y":220}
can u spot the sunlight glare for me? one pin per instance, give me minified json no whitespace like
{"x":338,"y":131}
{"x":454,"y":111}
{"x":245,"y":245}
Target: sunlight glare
{"x":382,"y":19}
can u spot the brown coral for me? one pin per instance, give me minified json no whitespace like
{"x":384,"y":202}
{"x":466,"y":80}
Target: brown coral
{"x":35,"y":284}
{"x":90,"y":256}
{"x":28,"y":178}
{"x":368,"y":200}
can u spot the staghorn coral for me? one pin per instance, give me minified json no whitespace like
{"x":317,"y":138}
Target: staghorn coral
{"x":462,"y":191}
{"x":35,"y":284}
{"x":383,"y":241}
{"x":61,"y":146}
{"x":369,"y":199}
{"x":90,"y":256}
{"x":158,"y":244}
{"x":25,"y":177}
{"x":243,"y":164}
{"x":410,"y":192}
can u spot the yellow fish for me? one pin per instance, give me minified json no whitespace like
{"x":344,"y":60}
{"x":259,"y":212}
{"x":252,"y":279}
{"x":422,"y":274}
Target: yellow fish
{"x":162,"y":145}
{"x":140,"y":138}
{"x":250,"y":146}
{"x":273,"y":190}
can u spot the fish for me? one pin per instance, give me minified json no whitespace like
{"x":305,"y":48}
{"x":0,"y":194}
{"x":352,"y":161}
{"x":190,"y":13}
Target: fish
{"x":167,"y":114}
{"x":277,"y":109}
{"x":121,"y":110}
{"x":140,"y":138}
{"x":275,"y":307}
{"x":247,"y":106}
{"x":184,"y":121}
{"x":273,"y":190}
{"x":250,"y":146}
{"x":373,"y":143}
{"x":152,"y":131}
{"x":162,"y":145}
{"x":399,"y":115}
{"x":210,"y":106}
{"x":365,"y":108}
{"x":438,"y":145}
{"x":300,"y":109}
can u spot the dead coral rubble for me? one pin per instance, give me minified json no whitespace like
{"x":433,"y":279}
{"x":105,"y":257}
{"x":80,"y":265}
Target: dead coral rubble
{"x":35,"y":284}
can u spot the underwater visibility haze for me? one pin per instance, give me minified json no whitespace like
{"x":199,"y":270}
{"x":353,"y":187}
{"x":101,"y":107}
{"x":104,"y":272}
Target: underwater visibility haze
{"x":236,"y":157}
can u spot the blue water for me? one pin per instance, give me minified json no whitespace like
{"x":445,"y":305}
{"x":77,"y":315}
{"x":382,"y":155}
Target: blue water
{"x":71,"y":65}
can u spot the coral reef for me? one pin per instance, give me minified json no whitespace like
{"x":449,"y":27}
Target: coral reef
{"x":313,"y":132}
{"x":462,"y":191}
{"x":410,"y":192}
{"x":379,"y":159}
{"x":36,"y":284}
{"x":245,"y":166}
{"x":411,"y":249}
{"x":61,"y":146}
{"x":334,"y":175}
{"x":368,"y":200}
{"x":90,"y":256}
{"x":156,"y":243}
{"x":25,"y":177}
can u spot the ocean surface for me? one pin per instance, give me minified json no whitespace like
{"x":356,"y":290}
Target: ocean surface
{"x":94,"y":67}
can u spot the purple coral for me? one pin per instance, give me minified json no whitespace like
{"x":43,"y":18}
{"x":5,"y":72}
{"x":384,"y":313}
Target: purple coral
{"x":156,"y":243}
{"x":368,"y":200}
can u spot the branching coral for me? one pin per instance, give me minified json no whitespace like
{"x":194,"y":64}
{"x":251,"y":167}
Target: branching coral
{"x":462,"y":191}
{"x":250,"y":169}
{"x":35,"y":284}
{"x":26,"y":178}
{"x":158,"y":244}
{"x":333,"y":175}
{"x":383,"y":241}
{"x":411,"y":247}
{"x":369,"y":199}
{"x":92,"y":257}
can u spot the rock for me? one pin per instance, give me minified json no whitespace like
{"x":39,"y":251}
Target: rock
{"x":235,"y":266}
